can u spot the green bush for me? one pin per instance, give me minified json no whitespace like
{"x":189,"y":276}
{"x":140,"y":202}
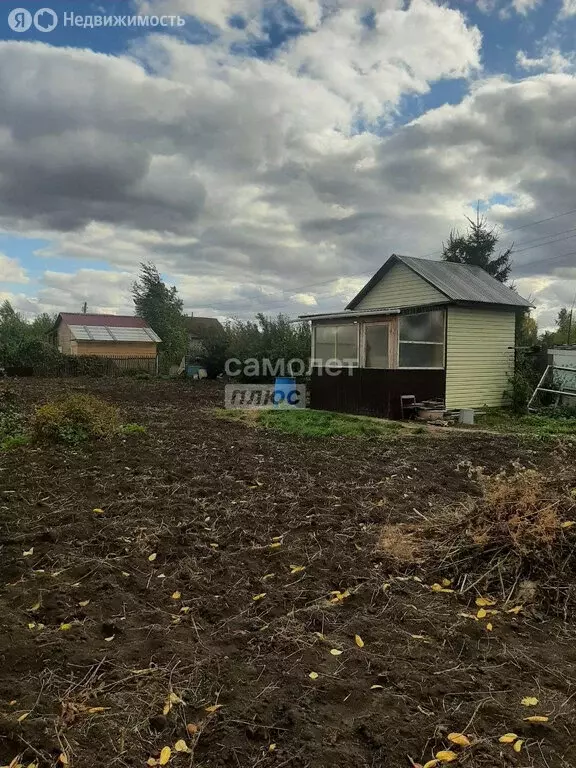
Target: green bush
{"x":13,"y":442}
{"x":76,"y":418}
{"x":133,"y":429}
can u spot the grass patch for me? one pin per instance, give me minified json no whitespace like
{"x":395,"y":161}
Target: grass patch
{"x":530,"y":424}
{"x":311,"y":423}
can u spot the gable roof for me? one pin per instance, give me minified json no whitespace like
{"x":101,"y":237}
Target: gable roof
{"x":202,"y":327}
{"x":109,"y":321}
{"x":460,"y":283}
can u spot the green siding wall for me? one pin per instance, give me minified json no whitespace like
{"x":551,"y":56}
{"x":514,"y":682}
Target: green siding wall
{"x":401,"y":287}
{"x":479,"y":360}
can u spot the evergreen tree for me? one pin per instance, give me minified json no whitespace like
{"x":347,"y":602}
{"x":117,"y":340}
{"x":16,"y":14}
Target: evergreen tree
{"x":161,"y":307}
{"x":478,"y":247}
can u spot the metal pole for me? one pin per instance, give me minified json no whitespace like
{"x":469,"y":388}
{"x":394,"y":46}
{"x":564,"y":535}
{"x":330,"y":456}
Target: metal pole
{"x":538,"y":387}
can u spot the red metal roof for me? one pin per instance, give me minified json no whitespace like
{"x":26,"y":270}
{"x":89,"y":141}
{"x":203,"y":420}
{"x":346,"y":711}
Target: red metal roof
{"x":110,"y":321}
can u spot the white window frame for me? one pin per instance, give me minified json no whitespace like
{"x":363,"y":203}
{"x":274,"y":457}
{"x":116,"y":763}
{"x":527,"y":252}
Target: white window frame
{"x":392,"y":323}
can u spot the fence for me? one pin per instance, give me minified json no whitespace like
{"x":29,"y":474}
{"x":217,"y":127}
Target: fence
{"x":84,"y":365}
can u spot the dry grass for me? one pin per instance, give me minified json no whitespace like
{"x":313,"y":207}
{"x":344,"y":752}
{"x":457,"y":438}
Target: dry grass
{"x":518,"y":527}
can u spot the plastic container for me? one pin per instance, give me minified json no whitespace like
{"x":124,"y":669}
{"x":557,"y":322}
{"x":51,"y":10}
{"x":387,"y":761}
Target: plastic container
{"x":285,"y":393}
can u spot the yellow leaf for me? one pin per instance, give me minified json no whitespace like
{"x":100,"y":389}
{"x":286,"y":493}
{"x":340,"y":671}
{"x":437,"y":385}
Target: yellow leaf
{"x":181,"y":746}
{"x":440,"y":588}
{"x":259,"y":597}
{"x":35,"y":607}
{"x":481,"y":614}
{"x":446,"y":582}
{"x":518,"y":745}
{"x":174,"y":698}
{"x":13,"y":702}
{"x":213,"y":708}
{"x":84,"y":603}
{"x":268,"y":576}
{"x":313,"y":675}
{"x":152,"y":557}
{"x":176,"y":595}
{"x":275,"y":538}
{"x":31,"y":625}
{"x":275,"y":544}
{"x":23,"y":717}
{"x":63,"y":758}
{"x":385,"y":586}
{"x":568,"y":524}
{"x":165,"y":756}
{"x":446,"y":756}
{"x":335,"y":652}
{"x":537,"y":719}
{"x":185,"y":609}
{"x":151,"y":761}
{"x":272,"y":747}
{"x":359,"y":642}
{"x":489,"y":627}
{"x":431,"y":764}
{"x":483,"y":602}
{"x":469,"y":616}
{"x":96,"y":710}
{"x":508,"y":738}
{"x":375,"y":687}
{"x":297,"y":569}
{"x":516,"y":609}
{"x":98,"y":511}
{"x":28,"y":552}
{"x":529,"y":701}
{"x":459,"y":738}
{"x":109,"y":639}
{"x":65,"y":627}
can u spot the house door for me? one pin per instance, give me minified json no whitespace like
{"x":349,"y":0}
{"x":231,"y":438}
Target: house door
{"x":378,"y":347}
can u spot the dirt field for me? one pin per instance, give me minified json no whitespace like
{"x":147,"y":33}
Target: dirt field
{"x":197,"y":603}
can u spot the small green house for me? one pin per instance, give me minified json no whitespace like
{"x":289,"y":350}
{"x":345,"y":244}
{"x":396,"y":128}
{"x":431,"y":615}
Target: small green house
{"x":436,"y":330}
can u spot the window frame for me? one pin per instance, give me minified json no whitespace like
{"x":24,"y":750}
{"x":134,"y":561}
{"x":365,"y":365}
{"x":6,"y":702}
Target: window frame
{"x":442,"y":344}
{"x":336,"y":362}
{"x":393,"y":349}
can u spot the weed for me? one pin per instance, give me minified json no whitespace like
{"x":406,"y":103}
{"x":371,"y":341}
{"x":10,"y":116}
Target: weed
{"x":133,"y":429}
{"x":13,"y":442}
{"x":75,"y":418}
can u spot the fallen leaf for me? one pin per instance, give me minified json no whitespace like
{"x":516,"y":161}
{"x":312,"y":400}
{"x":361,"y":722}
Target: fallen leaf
{"x":529,"y":701}
{"x":568,"y":524}
{"x":268,"y":576}
{"x":259,"y":597}
{"x":84,"y":603}
{"x":65,"y":627}
{"x":63,"y":758}
{"x":275,"y":538}
{"x":192,"y":728}
{"x":275,"y":544}
{"x":469,"y":616}
{"x":173,"y":698}
{"x":272,"y":747}
{"x":96,"y":710}
{"x":335,"y":652}
{"x":481,"y":614}
{"x":489,"y":627}
{"x":431,"y":764}
{"x":385,"y":586}
{"x":508,"y":738}
{"x":518,"y":745}
{"x":181,"y":746}
{"x":165,"y":756}
{"x":23,"y":717}
{"x":537,"y":719}
{"x":213,"y":708}
{"x":339,"y":596}
{"x":359,"y":642}
{"x":31,"y":625}
{"x":152,"y":557}
{"x":98,"y":511}
{"x":297,"y":569}
{"x":446,"y":582}
{"x":125,"y":574}
{"x":13,"y":702}
{"x":440,"y":588}
{"x":28,"y":552}
{"x":176,"y":595}
{"x":313,"y":675}
{"x":185,"y":609}
{"x":109,"y":639}
{"x":34,"y":608}
{"x":459,"y":738}
{"x":151,"y":761}
{"x":516,"y":609}
{"x":446,"y":756}
{"x":483,"y":602}
{"x":375,"y":687}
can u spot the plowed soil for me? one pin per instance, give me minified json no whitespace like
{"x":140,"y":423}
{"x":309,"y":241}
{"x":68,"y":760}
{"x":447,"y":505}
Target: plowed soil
{"x":196,"y":605}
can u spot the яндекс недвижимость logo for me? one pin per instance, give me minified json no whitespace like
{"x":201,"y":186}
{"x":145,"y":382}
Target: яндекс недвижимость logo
{"x":44,"y":20}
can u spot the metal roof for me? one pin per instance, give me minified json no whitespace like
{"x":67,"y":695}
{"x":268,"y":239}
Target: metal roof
{"x":458,"y":282}
{"x":347,"y":313}
{"x":106,"y":333}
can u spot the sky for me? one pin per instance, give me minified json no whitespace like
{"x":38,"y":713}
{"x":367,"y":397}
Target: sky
{"x":269,"y":155}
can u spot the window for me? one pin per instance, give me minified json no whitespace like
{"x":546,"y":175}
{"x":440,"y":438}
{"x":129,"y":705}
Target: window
{"x":377,"y":346}
{"x":422,"y":340}
{"x":336,"y":342}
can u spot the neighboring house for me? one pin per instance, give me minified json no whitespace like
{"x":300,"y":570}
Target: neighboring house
{"x":200,"y":329}
{"x":435,"y":330}
{"x":105,"y":336}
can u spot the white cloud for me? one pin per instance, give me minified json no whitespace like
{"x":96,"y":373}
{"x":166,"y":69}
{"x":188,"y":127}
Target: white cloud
{"x":11,"y":271}
{"x":552,"y":60}
{"x":568,"y":8}
{"x":525,"y":6}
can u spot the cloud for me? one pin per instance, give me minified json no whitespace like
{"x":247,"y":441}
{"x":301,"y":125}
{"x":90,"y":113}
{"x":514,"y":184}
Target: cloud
{"x":568,"y":9}
{"x":11,"y":271}
{"x":552,"y":60}
{"x":525,"y":6}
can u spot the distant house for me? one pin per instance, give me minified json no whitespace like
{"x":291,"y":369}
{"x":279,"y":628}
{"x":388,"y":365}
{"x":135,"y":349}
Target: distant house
{"x":435,"y":330}
{"x":200,"y":329}
{"x":112,"y":336}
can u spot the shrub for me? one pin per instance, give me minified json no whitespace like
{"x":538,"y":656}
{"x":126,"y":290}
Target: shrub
{"x":16,"y":441}
{"x":11,"y":418}
{"x":76,"y":418}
